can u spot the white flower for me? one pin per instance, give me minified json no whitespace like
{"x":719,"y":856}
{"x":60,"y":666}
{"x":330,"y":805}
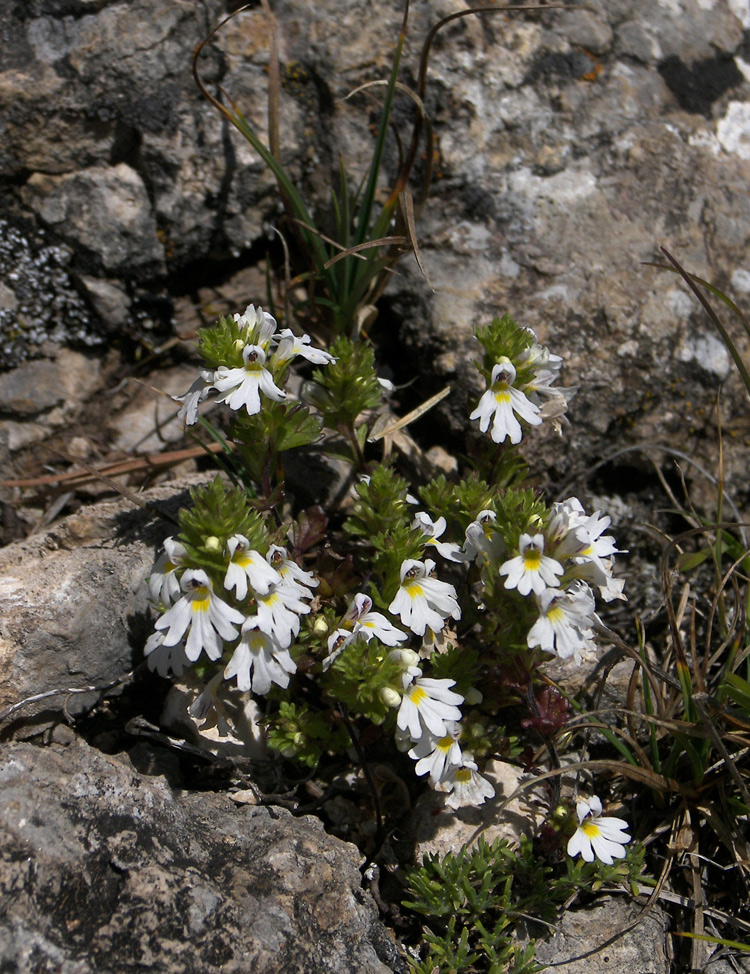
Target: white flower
{"x":424,"y":601}
{"x":194,"y":396}
{"x":612,"y":589}
{"x":259,"y":661}
{"x":368,"y":623}
{"x":337,"y":643}
{"x":434,"y":530}
{"x":598,"y":836}
{"x":565,"y":516}
{"x":290,"y":346}
{"x":437,"y":755}
{"x":565,"y":621}
{"x":577,"y":538}
{"x":552,"y":402}
{"x":165,"y":659}
{"x":245,"y":565}
{"x":466,"y":785}
{"x":482,"y":544}
{"x":360,"y":622}
{"x":540,"y":357}
{"x":555,"y":410}
{"x":278,"y":614}
{"x":427,"y":704}
{"x":583,"y":538}
{"x":501,"y":402}
{"x":208,"y":619}
{"x":293,"y":578}
{"x":163,"y":583}
{"x":243,"y":386}
{"x":531,"y":570}
{"x":259,"y":326}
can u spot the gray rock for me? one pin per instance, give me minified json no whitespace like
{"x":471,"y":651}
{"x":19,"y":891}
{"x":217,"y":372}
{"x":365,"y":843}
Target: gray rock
{"x":105,"y":870}
{"x":572,"y":143}
{"x":110,"y":302}
{"x":37,"y":387}
{"x":74,"y":603}
{"x":30,"y":389}
{"x":105,"y":210}
{"x":603,"y":939}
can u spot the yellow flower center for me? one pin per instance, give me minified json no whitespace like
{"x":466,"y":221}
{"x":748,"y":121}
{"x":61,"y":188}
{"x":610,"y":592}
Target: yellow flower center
{"x":417,"y":695}
{"x":255,"y":640}
{"x":590,"y":829}
{"x":531,"y":559}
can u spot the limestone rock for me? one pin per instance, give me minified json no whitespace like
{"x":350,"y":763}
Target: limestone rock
{"x":74,"y":602}
{"x":587,"y":941}
{"x":105,"y":210}
{"x":103,"y":869}
{"x":36,"y":388}
{"x":440,"y":830}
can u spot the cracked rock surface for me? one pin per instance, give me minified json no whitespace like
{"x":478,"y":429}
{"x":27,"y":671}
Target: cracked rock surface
{"x":105,"y":870}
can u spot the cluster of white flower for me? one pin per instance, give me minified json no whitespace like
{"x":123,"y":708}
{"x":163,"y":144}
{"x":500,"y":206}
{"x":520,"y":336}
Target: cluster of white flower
{"x":428,"y":720}
{"x":580,"y":556}
{"x":504,"y":402}
{"x":196,"y":619}
{"x":260,"y":345}
{"x":428,"y":709}
{"x":557,"y":565}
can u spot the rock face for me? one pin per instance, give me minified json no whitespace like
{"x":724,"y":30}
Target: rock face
{"x":74,"y":603}
{"x":102,"y":209}
{"x":104,"y":870}
{"x":605,"y":938}
{"x":571,"y":145}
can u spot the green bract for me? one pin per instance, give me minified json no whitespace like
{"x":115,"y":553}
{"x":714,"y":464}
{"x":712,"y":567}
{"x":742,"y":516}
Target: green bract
{"x":219,"y":511}
{"x":505,"y":338}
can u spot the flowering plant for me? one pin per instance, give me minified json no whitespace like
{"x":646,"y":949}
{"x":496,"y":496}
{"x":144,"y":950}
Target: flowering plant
{"x":249,"y":595}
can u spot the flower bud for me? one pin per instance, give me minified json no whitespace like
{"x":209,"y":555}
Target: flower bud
{"x":473,"y":696}
{"x":298,"y":739}
{"x":390,"y":697}
{"x":407,"y":657}
{"x":238,"y":345}
{"x":212,"y":544}
{"x":320,"y":626}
